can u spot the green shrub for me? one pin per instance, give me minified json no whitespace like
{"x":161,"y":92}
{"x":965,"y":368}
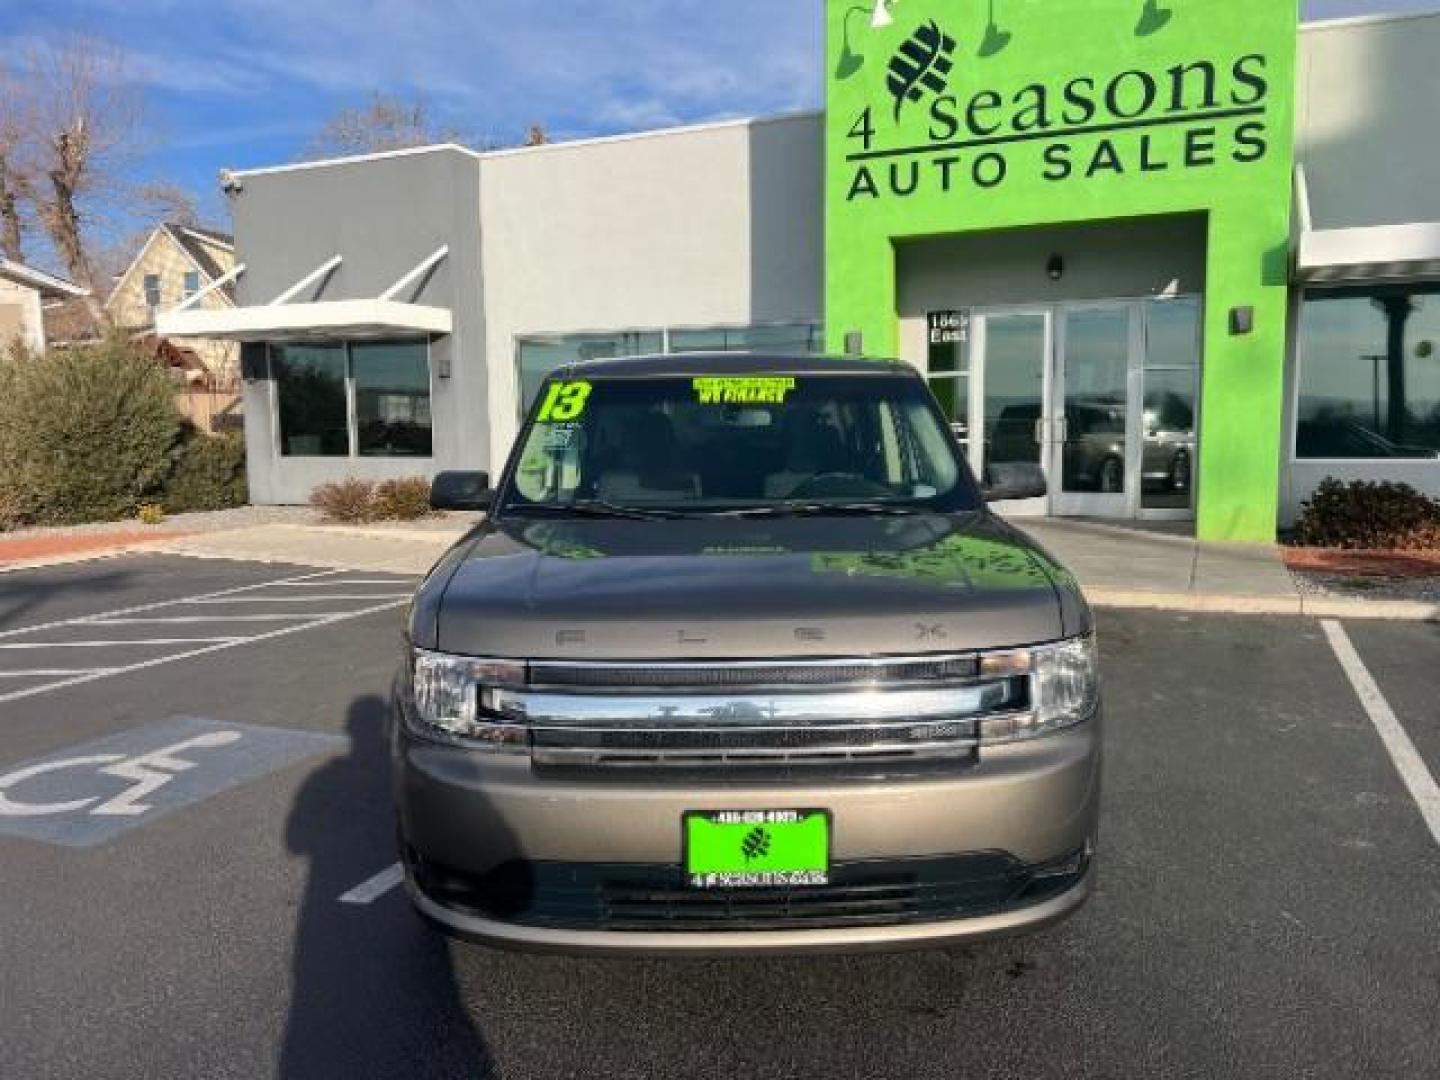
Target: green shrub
{"x":345,"y":501}
{"x":209,"y":474}
{"x":403,"y":500}
{"x":1365,"y":515}
{"x":151,"y":514}
{"x":86,"y":434}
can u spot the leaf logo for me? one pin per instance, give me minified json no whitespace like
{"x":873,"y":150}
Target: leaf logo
{"x":756,"y":844}
{"x":922,"y":63}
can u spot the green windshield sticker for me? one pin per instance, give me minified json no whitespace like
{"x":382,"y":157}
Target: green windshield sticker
{"x":718,"y":390}
{"x":564,"y":402}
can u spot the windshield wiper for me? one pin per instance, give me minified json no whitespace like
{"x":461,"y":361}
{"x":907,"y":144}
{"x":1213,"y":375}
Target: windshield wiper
{"x":819,"y":509}
{"x":599,"y":508}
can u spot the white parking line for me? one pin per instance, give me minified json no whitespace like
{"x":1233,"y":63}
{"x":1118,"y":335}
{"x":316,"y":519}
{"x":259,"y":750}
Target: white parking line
{"x":370,"y":890}
{"x":1411,"y":766}
{"x":168,"y":620}
{"x":296,"y":599}
{"x":111,"y":644}
{"x":53,"y":673}
{"x":156,"y":605}
{"x":342,"y":582}
{"x":188,"y":654}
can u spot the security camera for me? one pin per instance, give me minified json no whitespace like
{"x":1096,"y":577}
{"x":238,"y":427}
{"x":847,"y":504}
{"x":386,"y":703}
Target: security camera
{"x":230,"y":184}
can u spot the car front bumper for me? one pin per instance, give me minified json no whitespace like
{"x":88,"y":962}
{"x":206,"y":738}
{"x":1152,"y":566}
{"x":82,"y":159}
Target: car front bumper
{"x":498,"y":854}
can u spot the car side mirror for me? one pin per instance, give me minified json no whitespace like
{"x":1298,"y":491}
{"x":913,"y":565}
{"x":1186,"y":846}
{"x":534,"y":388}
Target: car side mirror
{"x":1014,"y":480}
{"x":461,"y":491}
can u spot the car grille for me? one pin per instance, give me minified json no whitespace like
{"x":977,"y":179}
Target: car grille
{"x":756,"y":676}
{"x":620,"y":897}
{"x":870,"y":717}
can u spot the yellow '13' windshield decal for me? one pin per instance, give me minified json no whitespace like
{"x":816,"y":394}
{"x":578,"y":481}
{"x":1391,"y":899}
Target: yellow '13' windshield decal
{"x":717,"y":390}
{"x":564,"y":402}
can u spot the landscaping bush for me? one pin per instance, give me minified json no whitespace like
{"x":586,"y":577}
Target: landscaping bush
{"x":86,"y":434}
{"x":209,"y":474}
{"x":345,"y":501}
{"x":1365,"y":515}
{"x":403,"y":500}
{"x":356,"y":501}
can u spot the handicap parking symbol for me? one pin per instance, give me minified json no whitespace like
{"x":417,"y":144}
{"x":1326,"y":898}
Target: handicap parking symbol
{"x":92,"y":793}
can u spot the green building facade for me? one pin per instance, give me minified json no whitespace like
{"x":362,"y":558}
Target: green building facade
{"x":1011,"y":123}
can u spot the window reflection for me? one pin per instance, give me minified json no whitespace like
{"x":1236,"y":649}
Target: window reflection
{"x":310,"y":387}
{"x":1370,"y":374}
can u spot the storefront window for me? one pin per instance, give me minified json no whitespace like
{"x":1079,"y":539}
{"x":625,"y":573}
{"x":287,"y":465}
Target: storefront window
{"x":1370,"y":374}
{"x":789,"y":338}
{"x":389,"y":383}
{"x":542,"y":354}
{"x":392,"y":399}
{"x":948,"y":367}
{"x":310,"y":385}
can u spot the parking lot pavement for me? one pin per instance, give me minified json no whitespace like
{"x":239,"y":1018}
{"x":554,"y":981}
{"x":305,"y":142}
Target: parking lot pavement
{"x":1268,"y":900}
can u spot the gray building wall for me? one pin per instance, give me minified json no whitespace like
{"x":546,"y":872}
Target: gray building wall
{"x":1369,"y":140}
{"x":709,"y":226}
{"x":383,"y":215}
{"x":1368,"y":127}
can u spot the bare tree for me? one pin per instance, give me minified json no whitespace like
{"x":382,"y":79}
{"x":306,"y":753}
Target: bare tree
{"x":82,"y":116}
{"x":13,"y":186}
{"x":386,"y":122}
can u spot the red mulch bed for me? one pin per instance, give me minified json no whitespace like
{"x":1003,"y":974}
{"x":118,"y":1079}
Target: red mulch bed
{"x":19,"y":548}
{"x":1388,"y":564}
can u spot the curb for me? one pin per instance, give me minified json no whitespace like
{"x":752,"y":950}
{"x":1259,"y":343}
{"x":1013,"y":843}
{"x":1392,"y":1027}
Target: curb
{"x":365,"y":533}
{"x":40,"y":562}
{"x":1293,"y":606}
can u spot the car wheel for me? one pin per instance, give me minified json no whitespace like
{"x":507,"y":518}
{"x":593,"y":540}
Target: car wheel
{"x":1112,"y":476}
{"x":1181,"y":471}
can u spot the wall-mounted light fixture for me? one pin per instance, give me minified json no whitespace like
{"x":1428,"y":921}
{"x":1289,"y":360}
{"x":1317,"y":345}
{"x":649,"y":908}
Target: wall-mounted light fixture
{"x":854,"y":343}
{"x":1055,"y":268}
{"x":1242,"y":320}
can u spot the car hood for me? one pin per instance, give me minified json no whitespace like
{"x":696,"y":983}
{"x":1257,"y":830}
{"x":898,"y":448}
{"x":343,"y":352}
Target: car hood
{"x":738,"y":588}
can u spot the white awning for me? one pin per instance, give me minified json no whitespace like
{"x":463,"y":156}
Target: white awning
{"x":320,"y":319}
{"x":1377,"y":253}
{"x":284,"y":320}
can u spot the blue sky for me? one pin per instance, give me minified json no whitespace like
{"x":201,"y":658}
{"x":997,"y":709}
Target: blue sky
{"x":246,"y":83}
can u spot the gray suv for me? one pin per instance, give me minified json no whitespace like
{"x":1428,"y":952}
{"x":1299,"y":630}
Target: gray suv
{"x":739,"y":661}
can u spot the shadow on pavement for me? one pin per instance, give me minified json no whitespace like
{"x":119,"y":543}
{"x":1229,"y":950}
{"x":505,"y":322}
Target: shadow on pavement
{"x":22,"y":592}
{"x":373,"y":992}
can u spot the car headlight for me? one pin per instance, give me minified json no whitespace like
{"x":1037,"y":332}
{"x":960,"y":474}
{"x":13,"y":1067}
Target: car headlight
{"x":1064,"y":681}
{"x":451,"y":698}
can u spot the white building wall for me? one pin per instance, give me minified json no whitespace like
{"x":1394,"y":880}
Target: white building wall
{"x":1369,"y":140}
{"x":32,"y":318}
{"x":708,"y":226}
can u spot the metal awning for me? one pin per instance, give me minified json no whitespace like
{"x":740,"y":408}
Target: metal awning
{"x":1378,"y":253}
{"x":284,"y":320}
{"x":1365,"y":254}
{"x":297,"y":322}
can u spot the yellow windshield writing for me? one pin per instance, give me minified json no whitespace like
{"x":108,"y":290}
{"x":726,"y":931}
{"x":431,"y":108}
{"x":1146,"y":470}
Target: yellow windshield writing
{"x":717,"y":390}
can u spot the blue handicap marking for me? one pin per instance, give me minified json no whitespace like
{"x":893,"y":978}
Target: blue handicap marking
{"x":92,"y":793}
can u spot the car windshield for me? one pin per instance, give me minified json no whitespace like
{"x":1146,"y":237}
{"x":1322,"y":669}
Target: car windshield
{"x":697,"y":444}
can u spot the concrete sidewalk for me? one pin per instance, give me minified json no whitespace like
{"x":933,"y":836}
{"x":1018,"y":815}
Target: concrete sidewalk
{"x":1119,"y":566}
{"x":1124,"y":566}
{"x":399,"y":549}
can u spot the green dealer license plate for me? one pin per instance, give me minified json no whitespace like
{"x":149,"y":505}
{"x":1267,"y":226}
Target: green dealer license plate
{"x":757,"y":849}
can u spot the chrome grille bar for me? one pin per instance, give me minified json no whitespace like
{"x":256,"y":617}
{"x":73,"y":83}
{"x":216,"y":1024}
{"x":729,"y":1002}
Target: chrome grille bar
{"x":751,"y":674}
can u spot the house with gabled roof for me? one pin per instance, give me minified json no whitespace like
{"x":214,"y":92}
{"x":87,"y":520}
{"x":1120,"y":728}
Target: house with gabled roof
{"x":25,"y":296}
{"x":179,"y":265}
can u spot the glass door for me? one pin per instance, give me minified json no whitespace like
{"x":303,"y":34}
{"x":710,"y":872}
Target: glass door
{"x":1095,"y":430}
{"x":1011,"y":420}
{"x":1173,"y":335}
